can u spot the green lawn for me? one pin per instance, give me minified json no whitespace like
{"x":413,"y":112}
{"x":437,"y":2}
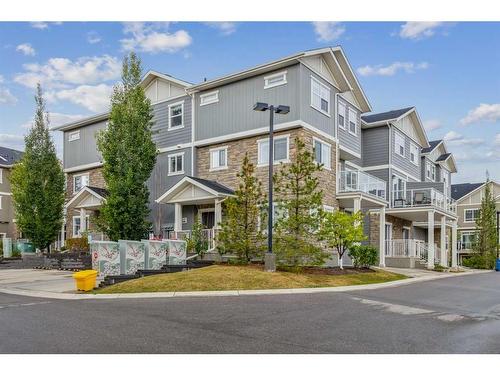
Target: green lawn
{"x":224,"y":277}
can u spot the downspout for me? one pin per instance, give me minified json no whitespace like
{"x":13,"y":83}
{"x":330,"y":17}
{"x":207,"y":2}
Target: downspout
{"x":389,"y":183}
{"x":337,"y":156}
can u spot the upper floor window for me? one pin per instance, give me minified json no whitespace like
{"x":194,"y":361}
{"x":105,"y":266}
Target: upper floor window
{"x":353,"y":121}
{"x":431,"y":171}
{"x":209,"y":98}
{"x":218,"y":158}
{"x":74,"y":136}
{"x":176,"y":164}
{"x":320,"y":96}
{"x":471,"y":214}
{"x":176,"y":116}
{"x":414,"y":154}
{"x":1,"y":175}
{"x":274,"y":80}
{"x":280,"y":150}
{"x":399,"y":144}
{"x":342,"y":115}
{"x":322,"y":153}
{"x":80,"y":181}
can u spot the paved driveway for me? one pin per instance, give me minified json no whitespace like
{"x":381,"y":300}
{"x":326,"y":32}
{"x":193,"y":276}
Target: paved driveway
{"x":455,"y":315}
{"x":37,"y":280}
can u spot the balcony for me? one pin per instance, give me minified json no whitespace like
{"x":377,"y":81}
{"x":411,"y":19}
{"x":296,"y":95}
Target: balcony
{"x":357,"y":181}
{"x":426,"y":197}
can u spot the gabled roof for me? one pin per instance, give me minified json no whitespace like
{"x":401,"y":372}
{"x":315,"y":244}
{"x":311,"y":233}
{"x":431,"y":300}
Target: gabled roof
{"x":152,"y":74}
{"x":99,"y":193}
{"x":433,"y":145}
{"x":443,"y":157}
{"x":460,"y":190}
{"x":210,"y":190}
{"x":9,"y":156}
{"x":386,"y":116}
{"x":214,"y":185}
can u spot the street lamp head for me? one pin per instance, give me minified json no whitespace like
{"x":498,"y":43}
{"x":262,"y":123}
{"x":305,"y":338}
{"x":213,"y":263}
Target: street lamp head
{"x":282,"y":109}
{"x":261,"y":107}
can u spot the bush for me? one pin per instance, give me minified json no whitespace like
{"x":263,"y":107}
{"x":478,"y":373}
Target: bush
{"x":484,"y":261}
{"x":16,"y":253}
{"x":364,"y":256}
{"x":78,"y":244}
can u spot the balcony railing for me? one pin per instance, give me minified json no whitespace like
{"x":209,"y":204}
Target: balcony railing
{"x":406,"y":248}
{"x":208,"y":237}
{"x":427,"y":197}
{"x":362,"y":182}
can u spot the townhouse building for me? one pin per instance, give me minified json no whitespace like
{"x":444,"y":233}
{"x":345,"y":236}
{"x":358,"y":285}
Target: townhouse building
{"x":8,"y":157}
{"x":382,"y":164}
{"x":468,"y":198}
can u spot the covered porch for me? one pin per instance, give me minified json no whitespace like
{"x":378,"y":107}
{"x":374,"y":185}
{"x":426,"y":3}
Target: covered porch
{"x":205,"y":198}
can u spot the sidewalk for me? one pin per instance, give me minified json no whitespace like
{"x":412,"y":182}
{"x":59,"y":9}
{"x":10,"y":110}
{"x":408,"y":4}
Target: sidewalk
{"x":60,"y":285}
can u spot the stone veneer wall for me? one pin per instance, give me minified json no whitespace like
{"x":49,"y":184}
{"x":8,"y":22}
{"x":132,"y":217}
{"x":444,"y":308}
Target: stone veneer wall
{"x":96,"y":179}
{"x":236,"y":152}
{"x":397,"y":228}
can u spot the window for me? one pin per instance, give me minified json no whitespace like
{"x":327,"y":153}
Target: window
{"x":322,"y":153}
{"x":471,"y":214}
{"x":74,"y":136}
{"x":209,"y":98}
{"x":280,"y":150}
{"x":353,"y":121}
{"x":467,"y":239}
{"x":175,"y":164}
{"x":176,"y":116}
{"x":328,"y":208}
{"x":77,"y":225}
{"x":218,"y":158}
{"x":399,"y":144}
{"x":320,"y":96}
{"x":414,"y":154}
{"x":1,"y":175}
{"x":431,"y":171}
{"x":398,"y":190}
{"x":342,"y":115}
{"x":80,"y":181}
{"x":274,"y":80}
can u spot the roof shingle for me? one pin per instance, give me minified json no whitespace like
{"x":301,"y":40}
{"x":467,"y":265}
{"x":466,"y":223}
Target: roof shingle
{"x":459,"y":190}
{"x":386,"y":116}
{"x":9,"y":156}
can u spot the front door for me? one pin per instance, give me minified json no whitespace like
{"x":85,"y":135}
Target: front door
{"x":208,"y":219}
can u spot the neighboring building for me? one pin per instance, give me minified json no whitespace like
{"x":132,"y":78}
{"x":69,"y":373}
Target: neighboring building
{"x":7,"y":222}
{"x":468,"y":197}
{"x":376,"y":163}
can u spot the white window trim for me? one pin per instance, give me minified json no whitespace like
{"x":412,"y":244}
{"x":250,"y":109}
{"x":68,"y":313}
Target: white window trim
{"x":465,"y":215}
{"x":327,"y":208}
{"x":1,"y":202}
{"x":415,"y":148}
{"x":211,"y":151}
{"x":170,"y":173}
{"x":76,"y":134}
{"x":329,"y":154}
{"x":87,"y":220}
{"x":329,"y":104}
{"x":80,"y":175}
{"x":170,"y":127}
{"x":355,"y":122}
{"x":342,"y":112}
{"x":396,"y":145}
{"x":281,"y":83}
{"x":275,"y":162}
{"x":1,"y":175}
{"x":216,"y":100}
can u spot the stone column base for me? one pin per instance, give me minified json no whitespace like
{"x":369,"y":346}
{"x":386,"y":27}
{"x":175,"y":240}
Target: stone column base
{"x":270,"y":262}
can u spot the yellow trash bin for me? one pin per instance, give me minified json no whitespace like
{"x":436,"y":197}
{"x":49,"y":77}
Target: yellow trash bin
{"x":85,"y":280}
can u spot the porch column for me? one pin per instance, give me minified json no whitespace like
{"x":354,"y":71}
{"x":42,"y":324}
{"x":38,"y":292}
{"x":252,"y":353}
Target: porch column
{"x":178,"y":217}
{"x":430,"y":239}
{"x":83,"y":220}
{"x":381,"y":249}
{"x":218,"y":213}
{"x":357,"y":205}
{"x":454,"y":244}
{"x":444,"y":258}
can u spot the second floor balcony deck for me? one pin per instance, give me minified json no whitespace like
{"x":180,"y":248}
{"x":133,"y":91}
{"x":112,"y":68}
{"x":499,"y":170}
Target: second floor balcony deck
{"x":425,"y":197}
{"x":358,"y":181}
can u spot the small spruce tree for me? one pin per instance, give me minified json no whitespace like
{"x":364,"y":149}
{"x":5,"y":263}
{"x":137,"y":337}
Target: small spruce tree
{"x":37,"y":183}
{"x":240,"y":233}
{"x":129,"y":156}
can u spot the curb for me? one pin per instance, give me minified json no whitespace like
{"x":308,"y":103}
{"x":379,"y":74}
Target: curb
{"x":235,"y":293}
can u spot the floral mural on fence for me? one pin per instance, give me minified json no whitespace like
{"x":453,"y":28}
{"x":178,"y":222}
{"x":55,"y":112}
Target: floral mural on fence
{"x":133,"y":256}
{"x":156,"y":254}
{"x":176,"y":252}
{"x":105,"y":257}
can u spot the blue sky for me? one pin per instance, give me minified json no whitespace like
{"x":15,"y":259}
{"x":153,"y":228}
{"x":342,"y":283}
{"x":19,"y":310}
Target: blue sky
{"x":449,"y":71}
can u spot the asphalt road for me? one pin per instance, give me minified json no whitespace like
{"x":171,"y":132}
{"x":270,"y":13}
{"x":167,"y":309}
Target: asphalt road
{"x":454,"y":315}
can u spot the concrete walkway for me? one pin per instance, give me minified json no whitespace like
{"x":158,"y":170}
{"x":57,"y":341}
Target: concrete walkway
{"x":60,"y":285}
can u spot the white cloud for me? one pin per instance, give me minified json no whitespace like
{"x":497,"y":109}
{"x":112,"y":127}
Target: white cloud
{"x":431,"y":125}
{"x":61,"y":72}
{"x":14,"y":141}
{"x":225,"y":28}
{"x":43,"y":25}
{"x":5,"y":95}
{"x":154,"y":37}
{"x":94,"y":98}
{"x":56,"y":119}
{"x":457,"y":139}
{"x":328,"y":31}
{"x":93,"y":37}
{"x":26,"y":49}
{"x":390,"y":70}
{"x":482,"y":113}
{"x":418,"y":30}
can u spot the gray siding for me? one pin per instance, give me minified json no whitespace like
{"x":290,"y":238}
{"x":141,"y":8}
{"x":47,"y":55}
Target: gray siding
{"x":164,"y":137}
{"x":233,"y":112}
{"x":404,"y":163}
{"x":375,"y":146}
{"x":347,"y":139}
{"x":84,"y":150}
{"x":309,"y":114}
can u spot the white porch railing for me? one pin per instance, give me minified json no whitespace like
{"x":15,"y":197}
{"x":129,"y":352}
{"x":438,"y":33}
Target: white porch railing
{"x":406,"y":248}
{"x":208,"y":236}
{"x":362,"y":182}
{"x":423,"y":198}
